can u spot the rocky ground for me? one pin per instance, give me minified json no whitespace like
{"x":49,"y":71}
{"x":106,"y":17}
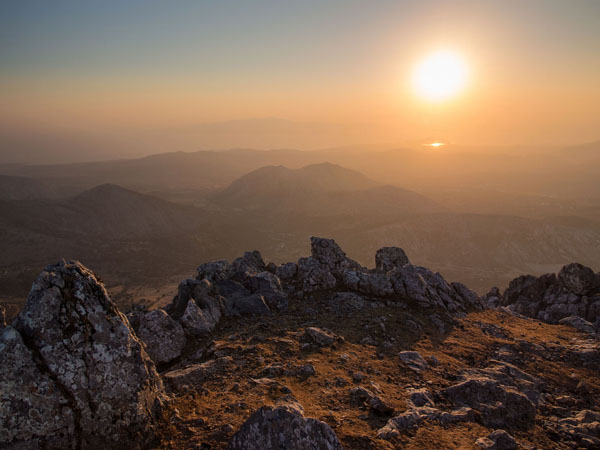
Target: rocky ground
{"x":319,"y":354}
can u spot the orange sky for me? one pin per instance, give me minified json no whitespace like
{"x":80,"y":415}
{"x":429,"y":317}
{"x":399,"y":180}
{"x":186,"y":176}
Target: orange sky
{"x":109,"y":69}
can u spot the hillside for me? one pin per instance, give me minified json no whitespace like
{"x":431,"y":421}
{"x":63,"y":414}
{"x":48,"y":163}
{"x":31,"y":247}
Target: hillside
{"x":320,"y":190}
{"x":318,"y":353}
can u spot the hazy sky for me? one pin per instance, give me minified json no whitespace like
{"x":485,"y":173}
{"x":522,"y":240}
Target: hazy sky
{"x":127,"y":73}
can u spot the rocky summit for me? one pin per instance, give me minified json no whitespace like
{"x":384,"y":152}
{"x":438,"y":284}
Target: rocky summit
{"x":322,"y":353}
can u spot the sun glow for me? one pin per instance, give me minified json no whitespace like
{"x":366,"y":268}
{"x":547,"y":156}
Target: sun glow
{"x":440,"y":76}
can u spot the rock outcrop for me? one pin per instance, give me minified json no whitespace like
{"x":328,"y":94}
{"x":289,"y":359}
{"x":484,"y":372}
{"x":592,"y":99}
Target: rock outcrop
{"x":163,"y":336}
{"x":74,"y":374}
{"x":284,"y":427}
{"x":394,"y":278}
{"x":575,"y":291}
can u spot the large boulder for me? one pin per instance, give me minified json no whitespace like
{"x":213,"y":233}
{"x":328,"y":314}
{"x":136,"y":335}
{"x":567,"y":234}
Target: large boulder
{"x":550,"y":298}
{"x":88,"y":364}
{"x":284,"y":427}
{"x":430,"y":290}
{"x":578,"y":279}
{"x":498,"y":405}
{"x":388,"y":258}
{"x":327,"y":252}
{"x":35,"y":411}
{"x":163,"y":336}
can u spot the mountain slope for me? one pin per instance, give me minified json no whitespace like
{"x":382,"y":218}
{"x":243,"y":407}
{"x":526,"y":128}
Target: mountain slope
{"x":322,"y":190}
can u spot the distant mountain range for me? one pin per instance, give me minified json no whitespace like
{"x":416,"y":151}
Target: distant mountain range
{"x":137,"y":238}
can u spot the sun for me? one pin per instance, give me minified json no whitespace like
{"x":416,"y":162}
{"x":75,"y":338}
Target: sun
{"x":440,"y":76}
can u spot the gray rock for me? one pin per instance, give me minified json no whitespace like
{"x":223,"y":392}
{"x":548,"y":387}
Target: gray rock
{"x":360,"y":395}
{"x":265,"y":282}
{"x":430,"y":290}
{"x":104,"y":380}
{"x":498,"y":440}
{"x":578,"y":323}
{"x":550,"y":298}
{"x":287,"y":271}
{"x":327,"y":252}
{"x":380,"y":407}
{"x":583,"y":427}
{"x":420,"y":397}
{"x":314,"y":275}
{"x":388,"y":258}
{"x":493,"y":299}
{"x":578,"y":279}
{"x":284,"y":427}
{"x":195,"y":307}
{"x":414,"y":417}
{"x":320,"y":337}
{"x":307,"y":370}
{"x":254,"y":304}
{"x":164,"y":337}
{"x":246,"y":266}
{"x":36,"y":411}
{"x":413,"y":360}
{"x":499,"y":405}
{"x":196,"y":374}
{"x":376,"y":284}
{"x":214,"y":271}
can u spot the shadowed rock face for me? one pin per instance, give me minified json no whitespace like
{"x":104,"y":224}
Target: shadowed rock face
{"x":87,"y":362}
{"x":575,"y":291}
{"x":284,"y":427}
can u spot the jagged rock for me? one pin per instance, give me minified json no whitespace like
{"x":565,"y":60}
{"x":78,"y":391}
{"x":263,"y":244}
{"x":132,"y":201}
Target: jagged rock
{"x":314,"y":275}
{"x":380,"y":407}
{"x":269,"y":286}
{"x":388,"y":258}
{"x":578,"y":279}
{"x":164,"y":337}
{"x":550,"y":298}
{"x":413,"y":360}
{"x":421,"y":397}
{"x":320,"y":337}
{"x":430,"y":290}
{"x":498,"y":440}
{"x":195,"y":308}
{"x":327,"y":252}
{"x":283,"y":427}
{"x":492,"y":299}
{"x":214,"y":271}
{"x":265,"y":282}
{"x":287,"y":271}
{"x":2,"y":316}
{"x":195,"y":374}
{"x":584,"y":427}
{"x":34,"y":410}
{"x":499,"y":405}
{"x":254,"y":304}
{"x":578,"y":323}
{"x":376,"y":284}
{"x":415,"y":416}
{"x":272,"y":268}
{"x":103,"y":379}
{"x":245,"y":266}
